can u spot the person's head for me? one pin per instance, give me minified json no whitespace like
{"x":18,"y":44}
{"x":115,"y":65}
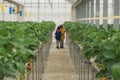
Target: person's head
{"x":61,"y":26}
{"x":58,"y":28}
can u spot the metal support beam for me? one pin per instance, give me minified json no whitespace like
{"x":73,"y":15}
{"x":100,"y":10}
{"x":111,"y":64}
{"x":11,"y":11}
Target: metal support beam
{"x":77,"y":2}
{"x":84,"y":9}
{"x":97,"y":12}
{"x":19,"y":6}
{"x":38,"y":10}
{"x":74,"y":10}
{"x":116,"y":13}
{"x":92,"y":11}
{"x":88,"y":11}
{"x":40,"y":3}
{"x":50,"y":4}
{"x":85,"y":4}
{"x":3,"y":15}
{"x":80,"y":11}
{"x":105,"y":13}
{"x":77,"y":13}
{"x":73,"y":13}
{"x":13,"y":2}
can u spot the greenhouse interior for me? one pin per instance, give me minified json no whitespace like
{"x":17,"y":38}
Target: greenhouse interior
{"x":59,"y":39}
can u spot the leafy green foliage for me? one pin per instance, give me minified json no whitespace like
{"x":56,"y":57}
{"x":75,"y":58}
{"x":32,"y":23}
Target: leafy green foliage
{"x":18,"y":40}
{"x":100,"y":43}
{"x":116,"y":71}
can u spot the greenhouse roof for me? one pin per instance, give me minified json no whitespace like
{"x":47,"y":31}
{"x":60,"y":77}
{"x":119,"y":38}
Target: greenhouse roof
{"x":72,"y":1}
{"x":44,"y":1}
{"x":39,"y":10}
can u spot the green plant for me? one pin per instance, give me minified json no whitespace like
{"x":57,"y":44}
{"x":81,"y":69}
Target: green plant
{"x":18,"y":40}
{"x":99,"y":43}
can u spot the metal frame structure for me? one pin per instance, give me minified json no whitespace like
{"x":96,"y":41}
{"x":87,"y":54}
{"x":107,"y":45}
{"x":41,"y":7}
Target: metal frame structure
{"x":15,"y":3}
{"x":83,"y":67}
{"x":88,"y":12}
{"x":41,"y":8}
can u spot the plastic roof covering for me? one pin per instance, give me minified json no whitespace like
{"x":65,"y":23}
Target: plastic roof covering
{"x":72,"y":1}
{"x":54,"y":3}
{"x":36,"y":1}
{"x":60,"y":12}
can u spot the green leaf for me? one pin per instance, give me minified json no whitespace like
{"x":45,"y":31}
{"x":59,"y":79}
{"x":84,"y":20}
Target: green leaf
{"x":9,"y":69}
{"x":116,"y":71}
{"x":2,"y":76}
{"x":118,"y":53}
{"x":20,"y":67}
{"x":3,"y":32}
{"x":109,"y":54}
{"x":18,"y":40}
{"x":110,"y":45}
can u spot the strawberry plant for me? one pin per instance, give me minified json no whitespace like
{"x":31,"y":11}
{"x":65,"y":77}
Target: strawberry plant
{"x":100,"y":43}
{"x":18,"y":40}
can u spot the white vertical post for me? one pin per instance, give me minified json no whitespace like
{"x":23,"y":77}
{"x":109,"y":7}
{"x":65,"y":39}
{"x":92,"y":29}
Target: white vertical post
{"x":116,"y":13}
{"x":92,"y":12}
{"x":105,"y":13}
{"x":97,"y":12}
{"x":88,"y":11}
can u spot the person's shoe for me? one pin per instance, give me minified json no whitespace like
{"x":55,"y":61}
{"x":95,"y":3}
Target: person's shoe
{"x":61,"y":47}
{"x":57,"y":47}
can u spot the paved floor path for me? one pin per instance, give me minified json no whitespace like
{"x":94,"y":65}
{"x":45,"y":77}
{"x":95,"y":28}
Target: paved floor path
{"x":59,"y":65}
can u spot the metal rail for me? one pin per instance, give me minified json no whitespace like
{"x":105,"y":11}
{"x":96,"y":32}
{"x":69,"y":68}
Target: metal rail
{"x":38,"y":65}
{"x":83,"y":67}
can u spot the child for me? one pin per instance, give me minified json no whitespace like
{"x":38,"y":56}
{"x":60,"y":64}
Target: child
{"x":58,"y":36}
{"x":62,"y":30}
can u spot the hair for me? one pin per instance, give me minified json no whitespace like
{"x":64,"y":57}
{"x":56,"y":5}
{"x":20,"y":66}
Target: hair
{"x":61,"y":26}
{"x":58,"y":28}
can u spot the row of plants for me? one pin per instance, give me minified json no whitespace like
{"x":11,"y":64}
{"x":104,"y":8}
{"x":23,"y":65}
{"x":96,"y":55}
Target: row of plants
{"x":98,"y":43}
{"x":18,"y":41}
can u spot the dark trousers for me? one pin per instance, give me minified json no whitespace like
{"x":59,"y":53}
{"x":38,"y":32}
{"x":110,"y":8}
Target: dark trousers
{"x":61,"y":43}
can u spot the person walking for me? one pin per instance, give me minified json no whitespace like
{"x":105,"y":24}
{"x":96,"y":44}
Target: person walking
{"x":58,"y":37}
{"x":62,"y":30}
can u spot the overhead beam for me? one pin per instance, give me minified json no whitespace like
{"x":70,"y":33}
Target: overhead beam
{"x":71,"y":1}
{"x":50,"y":4}
{"x":14,"y":2}
{"x":40,"y":3}
{"x":77,"y":2}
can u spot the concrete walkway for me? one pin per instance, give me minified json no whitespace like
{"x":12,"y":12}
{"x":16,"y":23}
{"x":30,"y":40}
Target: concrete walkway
{"x":59,"y":65}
